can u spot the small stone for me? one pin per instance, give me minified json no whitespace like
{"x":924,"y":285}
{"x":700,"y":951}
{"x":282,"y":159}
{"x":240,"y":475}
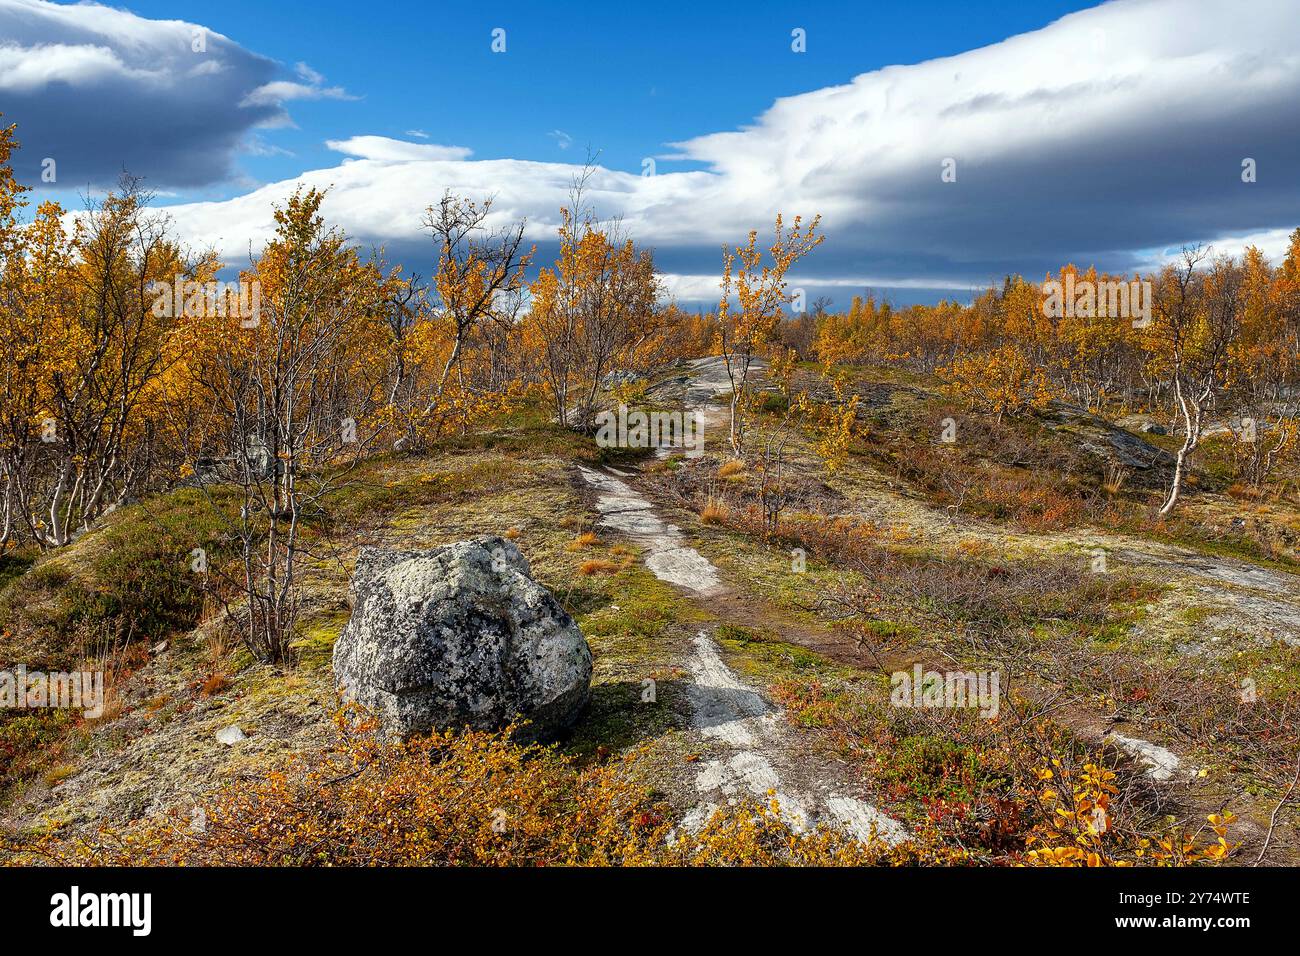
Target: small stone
{"x":230,"y":735}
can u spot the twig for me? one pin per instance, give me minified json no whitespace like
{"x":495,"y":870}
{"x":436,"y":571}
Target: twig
{"x":1272,"y":820}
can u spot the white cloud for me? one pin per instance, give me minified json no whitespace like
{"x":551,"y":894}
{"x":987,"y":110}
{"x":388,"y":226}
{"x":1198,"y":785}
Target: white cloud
{"x":101,"y":90}
{"x":282,"y":91}
{"x":1111,"y":132}
{"x":384,"y":149}
{"x":1273,"y":243}
{"x":707,"y":287}
{"x":29,"y":69}
{"x":308,"y":74}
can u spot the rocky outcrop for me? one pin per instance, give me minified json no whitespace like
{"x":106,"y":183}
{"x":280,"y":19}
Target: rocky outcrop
{"x":1103,"y":439}
{"x":460,"y":635}
{"x":1142,"y":423}
{"x":620,"y":376}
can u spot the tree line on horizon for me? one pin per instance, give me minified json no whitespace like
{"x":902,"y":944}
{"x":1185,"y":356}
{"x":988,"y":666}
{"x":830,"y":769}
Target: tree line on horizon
{"x":128,"y":368}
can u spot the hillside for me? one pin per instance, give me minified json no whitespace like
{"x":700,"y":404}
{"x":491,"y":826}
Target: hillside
{"x":770,"y":667}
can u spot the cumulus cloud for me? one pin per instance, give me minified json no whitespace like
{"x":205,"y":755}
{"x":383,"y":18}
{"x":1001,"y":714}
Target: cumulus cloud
{"x":1114,"y":130}
{"x":385,"y":150}
{"x":1107,"y":137}
{"x":100,"y":90}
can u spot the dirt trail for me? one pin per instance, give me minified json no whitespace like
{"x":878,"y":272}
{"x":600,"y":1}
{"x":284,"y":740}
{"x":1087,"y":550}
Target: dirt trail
{"x":663,"y":547}
{"x":755,"y":755}
{"x":1234,"y":596}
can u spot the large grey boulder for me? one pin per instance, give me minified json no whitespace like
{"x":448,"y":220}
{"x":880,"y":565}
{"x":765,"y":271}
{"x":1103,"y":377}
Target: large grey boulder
{"x":460,"y":635}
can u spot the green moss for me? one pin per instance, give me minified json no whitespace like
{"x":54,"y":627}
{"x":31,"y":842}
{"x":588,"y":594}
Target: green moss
{"x":129,"y":580}
{"x":744,"y":635}
{"x":637,"y":627}
{"x":632,"y":617}
{"x":889,"y":629}
{"x":314,"y":641}
{"x":769,"y":661}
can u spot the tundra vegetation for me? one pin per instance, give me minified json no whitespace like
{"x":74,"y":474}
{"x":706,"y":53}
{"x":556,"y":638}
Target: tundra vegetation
{"x":1103,"y":511}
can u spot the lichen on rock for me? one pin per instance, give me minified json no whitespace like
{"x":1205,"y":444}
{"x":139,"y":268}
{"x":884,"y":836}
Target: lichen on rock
{"x":460,"y":636}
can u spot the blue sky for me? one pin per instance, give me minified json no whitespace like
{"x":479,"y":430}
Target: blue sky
{"x":625,"y":78}
{"x":1104,"y":135}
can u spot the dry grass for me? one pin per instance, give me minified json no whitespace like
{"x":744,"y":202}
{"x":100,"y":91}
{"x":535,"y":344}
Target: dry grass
{"x":733,"y":468}
{"x":214,"y":685}
{"x":1116,"y":476}
{"x":715,"y":512}
{"x":585,"y":540}
{"x":57,"y":774}
{"x":602,"y":566}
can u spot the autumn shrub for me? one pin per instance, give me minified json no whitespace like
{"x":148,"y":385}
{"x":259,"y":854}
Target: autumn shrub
{"x":1026,"y":501}
{"x":481,"y":799}
{"x":833,"y":424}
{"x":452,"y":799}
{"x":1002,"y":380}
{"x":977,"y":595}
{"x":1015,"y":790}
{"x":1078,"y":828}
